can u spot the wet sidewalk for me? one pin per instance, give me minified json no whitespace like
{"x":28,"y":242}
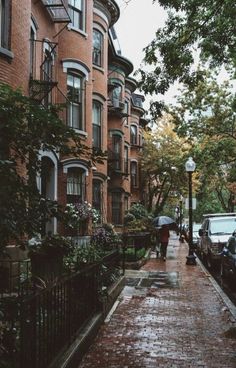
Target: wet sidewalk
{"x":169,"y":315}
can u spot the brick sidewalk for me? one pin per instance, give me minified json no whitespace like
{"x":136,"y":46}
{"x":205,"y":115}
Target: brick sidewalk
{"x":180,"y":324}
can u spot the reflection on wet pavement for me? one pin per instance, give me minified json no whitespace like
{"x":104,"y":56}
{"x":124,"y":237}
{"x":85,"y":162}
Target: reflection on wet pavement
{"x":155,"y":280}
{"x":168,"y":316}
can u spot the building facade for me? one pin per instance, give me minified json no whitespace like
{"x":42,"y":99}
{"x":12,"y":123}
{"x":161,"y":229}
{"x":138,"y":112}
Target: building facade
{"x":62,"y":52}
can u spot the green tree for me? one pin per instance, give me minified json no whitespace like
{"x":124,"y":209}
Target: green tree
{"x":205,"y":116}
{"x":163,"y":160}
{"x":25,"y":129}
{"x":207,"y":26}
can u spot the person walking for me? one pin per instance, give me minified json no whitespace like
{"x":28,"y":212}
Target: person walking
{"x":164,"y":239}
{"x":158,"y":241}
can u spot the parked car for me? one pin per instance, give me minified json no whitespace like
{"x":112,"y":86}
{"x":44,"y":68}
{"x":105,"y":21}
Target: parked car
{"x":228,"y":259}
{"x":196,"y":236}
{"x":214,"y":234}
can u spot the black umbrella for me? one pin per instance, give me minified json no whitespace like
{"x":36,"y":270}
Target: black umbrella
{"x":163,"y":220}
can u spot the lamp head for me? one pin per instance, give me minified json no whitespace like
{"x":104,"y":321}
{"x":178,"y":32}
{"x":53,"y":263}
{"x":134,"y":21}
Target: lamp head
{"x":190,"y":165}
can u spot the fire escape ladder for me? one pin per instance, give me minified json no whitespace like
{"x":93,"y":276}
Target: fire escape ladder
{"x":42,"y":79}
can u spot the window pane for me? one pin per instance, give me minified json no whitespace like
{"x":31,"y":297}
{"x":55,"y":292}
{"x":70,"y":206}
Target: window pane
{"x":78,"y":4}
{"x":97,"y":39}
{"x":117,"y":92}
{"x":96,"y":113}
{"x":133,"y":134}
{"x":134,"y":171}
{"x":74,"y":94}
{"x":75,"y":9}
{"x":97,"y":48}
{"x":75,"y":185}
{"x":126,"y":109}
{"x":4,"y":23}
{"x":96,"y":136}
{"x":97,"y":194}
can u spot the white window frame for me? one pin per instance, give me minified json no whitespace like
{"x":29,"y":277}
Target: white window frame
{"x":73,"y":104}
{"x":98,"y":124}
{"x":80,"y":13}
{"x":98,"y":51}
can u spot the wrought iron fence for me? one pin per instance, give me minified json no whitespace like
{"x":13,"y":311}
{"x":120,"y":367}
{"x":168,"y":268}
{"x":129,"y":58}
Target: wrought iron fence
{"x":14,"y":277}
{"x":36,"y":327}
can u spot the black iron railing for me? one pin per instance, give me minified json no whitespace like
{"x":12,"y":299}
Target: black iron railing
{"x":38,"y":326}
{"x":14,"y":277}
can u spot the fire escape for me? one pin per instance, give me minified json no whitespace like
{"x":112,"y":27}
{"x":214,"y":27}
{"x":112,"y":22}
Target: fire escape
{"x":57,"y":11}
{"x":43,"y":57}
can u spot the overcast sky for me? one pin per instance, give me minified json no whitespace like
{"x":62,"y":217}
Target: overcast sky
{"x":136,"y":27}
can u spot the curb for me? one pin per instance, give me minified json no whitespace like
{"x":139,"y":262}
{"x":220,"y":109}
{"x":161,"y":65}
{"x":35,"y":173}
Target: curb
{"x":231,"y":307}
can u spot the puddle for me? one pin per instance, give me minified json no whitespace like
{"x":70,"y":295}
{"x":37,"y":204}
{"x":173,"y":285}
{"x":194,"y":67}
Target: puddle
{"x":155,"y":280}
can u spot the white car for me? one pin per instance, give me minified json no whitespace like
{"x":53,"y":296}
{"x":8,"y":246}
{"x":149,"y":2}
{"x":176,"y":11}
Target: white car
{"x":214,"y":234}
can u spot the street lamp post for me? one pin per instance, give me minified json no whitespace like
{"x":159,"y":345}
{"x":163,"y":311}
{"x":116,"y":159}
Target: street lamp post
{"x":180,"y":217}
{"x":190,"y":167}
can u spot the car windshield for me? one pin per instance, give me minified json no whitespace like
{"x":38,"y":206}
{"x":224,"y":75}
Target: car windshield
{"x":223,"y":226}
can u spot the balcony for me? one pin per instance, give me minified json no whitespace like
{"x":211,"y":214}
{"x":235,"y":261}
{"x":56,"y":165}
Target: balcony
{"x":57,"y":10}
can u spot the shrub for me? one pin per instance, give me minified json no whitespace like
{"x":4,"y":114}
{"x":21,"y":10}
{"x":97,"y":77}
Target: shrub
{"x":104,"y":236}
{"x":130,"y":254}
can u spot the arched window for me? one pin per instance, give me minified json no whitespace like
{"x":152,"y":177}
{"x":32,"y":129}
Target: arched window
{"x":97,"y":124}
{"x":97,"y":47}
{"x":77,"y":14}
{"x":75,"y":95}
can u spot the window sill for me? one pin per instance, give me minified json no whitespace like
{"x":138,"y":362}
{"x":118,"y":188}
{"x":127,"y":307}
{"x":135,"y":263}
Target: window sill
{"x":77,"y":30}
{"x":99,"y":68}
{"x":6,"y":53}
{"x":80,"y":132}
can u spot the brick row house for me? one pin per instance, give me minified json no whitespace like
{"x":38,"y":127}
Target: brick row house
{"x":62,"y":51}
